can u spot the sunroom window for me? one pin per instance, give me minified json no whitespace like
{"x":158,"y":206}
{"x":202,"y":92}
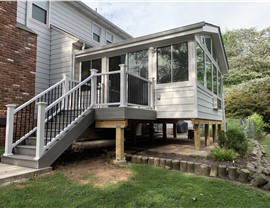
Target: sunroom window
{"x":39,"y":11}
{"x":172,"y":63}
{"x":138,"y":63}
{"x":208,"y":67}
{"x":200,"y":65}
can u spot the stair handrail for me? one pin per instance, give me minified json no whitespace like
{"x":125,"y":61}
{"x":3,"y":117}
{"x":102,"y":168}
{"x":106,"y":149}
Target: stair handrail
{"x":39,"y":95}
{"x":41,"y":145}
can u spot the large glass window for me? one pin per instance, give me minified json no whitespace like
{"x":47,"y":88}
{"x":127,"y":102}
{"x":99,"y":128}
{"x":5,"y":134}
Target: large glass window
{"x":138,"y":63}
{"x":39,"y":11}
{"x":208,"y":67}
{"x":96,"y":32}
{"x":172,"y":63}
{"x":215,"y":79}
{"x":219,"y":85}
{"x":200,"y":65}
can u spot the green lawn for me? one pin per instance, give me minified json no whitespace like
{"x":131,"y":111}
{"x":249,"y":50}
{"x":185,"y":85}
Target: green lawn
{"x":1,"y":151}
{"x":266,"y":144}
{"x":148,"y":187}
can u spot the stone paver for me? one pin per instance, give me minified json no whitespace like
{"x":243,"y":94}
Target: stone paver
{"x":12,"y":173}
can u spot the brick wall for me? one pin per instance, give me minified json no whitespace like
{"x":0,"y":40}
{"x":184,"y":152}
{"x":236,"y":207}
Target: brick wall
{"x":17,"y":61}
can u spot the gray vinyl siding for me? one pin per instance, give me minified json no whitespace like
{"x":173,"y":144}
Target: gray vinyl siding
{"x":175,"y":102}
{"x":61,"y":55}
{"x":21,"y":8}
{"x":205,"y":106}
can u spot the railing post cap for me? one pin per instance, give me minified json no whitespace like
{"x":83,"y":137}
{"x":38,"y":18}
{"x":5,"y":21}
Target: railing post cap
{"x":122,"y":65}
{"x":41,"y":103}
{"x":11,"y":105}
{"x":65,"y":75}
{"x":94,"y":70}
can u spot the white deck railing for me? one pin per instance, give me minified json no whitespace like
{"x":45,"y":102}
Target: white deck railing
{"x":68,"y":100}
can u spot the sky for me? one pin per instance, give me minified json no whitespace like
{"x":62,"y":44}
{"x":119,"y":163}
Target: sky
{"x":139,"y":18}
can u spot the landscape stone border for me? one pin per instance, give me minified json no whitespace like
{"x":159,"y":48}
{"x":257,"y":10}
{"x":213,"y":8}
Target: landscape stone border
{"x":221,"y":171}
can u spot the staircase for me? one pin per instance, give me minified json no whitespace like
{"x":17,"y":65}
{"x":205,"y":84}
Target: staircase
{"x":41,"y":129}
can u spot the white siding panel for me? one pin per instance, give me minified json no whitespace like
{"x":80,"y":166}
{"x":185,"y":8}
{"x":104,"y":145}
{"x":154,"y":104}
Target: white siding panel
{"x":61,"y":55}
{"x":205,"y":106}
{"x":21,"y":10}
{"x":176,"y":101}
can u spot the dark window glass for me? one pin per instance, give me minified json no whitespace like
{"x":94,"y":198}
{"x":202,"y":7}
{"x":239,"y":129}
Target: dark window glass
{"x":39,"y":14}
{"x":208,"y":67}
{"x":138,"y":63}
{"x":164,"y":65}
{"x":85,"y":71}
{"x":114,"y":79}
{"x":208,"y":43}
{"x":219,"y":84}
{"x":180,"y":62}
{"x":200,"y":65}
{"x":96,"y":37}
{"x":215,"y":79}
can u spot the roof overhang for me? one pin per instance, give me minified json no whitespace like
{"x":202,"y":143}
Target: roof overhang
{"x":156,"y":39}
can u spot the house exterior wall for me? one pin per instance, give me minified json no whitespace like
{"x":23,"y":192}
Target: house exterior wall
{"x":17,"y":62}
{"x":65,"y":16}
{"x":205,"y":105}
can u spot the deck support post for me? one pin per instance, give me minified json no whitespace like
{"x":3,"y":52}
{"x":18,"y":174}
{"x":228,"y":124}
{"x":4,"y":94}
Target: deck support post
{"x":123,"y":85}
{"x":207,"y":135}
{"x":164,"y":130}
{"x":93,"y":87}
{"x":119,"y":144}
{"x":197,"y":137}
{"x":174,"y":130}
{"x":9,"y":129}
{"x":40,"y":130}
{"x":214,"y":132}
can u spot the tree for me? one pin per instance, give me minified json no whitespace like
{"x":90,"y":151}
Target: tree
{"x":247,"y":86}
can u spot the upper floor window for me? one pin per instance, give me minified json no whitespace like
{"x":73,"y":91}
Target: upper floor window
{"x":109,"y":37}
{"x":96,"y":32}
{"x":172,"y":63}
{"x":39,"y":11}
{"x":207,"y":41}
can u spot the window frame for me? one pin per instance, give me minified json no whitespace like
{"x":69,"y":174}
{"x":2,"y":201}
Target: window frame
{"x":93,"y":33}
{"x":107,"y":41}
{"x":171,"y":62}
{"x":36,"y":4}
{"x":198,"y":39}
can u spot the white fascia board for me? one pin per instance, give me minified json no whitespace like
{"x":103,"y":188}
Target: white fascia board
{"x":140,"y":41}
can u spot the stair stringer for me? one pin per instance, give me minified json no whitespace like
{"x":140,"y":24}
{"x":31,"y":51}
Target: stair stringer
{"x":66,"y":140}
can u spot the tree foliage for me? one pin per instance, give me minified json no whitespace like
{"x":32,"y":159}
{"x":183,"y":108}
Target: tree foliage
{"x":247,"y":86}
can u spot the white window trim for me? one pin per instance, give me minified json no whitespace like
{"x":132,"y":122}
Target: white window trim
{"x":29,"y":14}
{"x":93,"y":23}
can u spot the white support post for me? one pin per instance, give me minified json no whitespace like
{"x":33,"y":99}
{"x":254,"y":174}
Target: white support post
{"x":93,"y":87}
{"x":40,"y":130}
{"x":65,"y":90}
{"x":9,"y":129}
{"x":123,"y":85}
{"x":153,"y":94}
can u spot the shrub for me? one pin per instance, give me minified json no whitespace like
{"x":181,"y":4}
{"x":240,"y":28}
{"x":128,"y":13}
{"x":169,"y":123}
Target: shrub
{"x":233,"y":139}
{"x":223,"y":154}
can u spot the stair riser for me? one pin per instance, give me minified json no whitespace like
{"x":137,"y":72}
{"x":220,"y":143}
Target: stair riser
{"x":24,"y":151}
{"x":20,"y":162}
{"x":31,"y":142}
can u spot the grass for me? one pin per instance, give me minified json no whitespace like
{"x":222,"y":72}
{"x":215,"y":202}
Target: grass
{"x":148,"y":187}
{"x":1,"y":151}
{"x":266,"y":144}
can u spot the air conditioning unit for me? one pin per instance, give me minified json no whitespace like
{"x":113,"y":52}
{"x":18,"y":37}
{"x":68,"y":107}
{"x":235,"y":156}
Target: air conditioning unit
{"x":215,"y":103}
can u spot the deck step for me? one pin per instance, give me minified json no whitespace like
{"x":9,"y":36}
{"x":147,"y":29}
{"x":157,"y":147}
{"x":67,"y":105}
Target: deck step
{"x":29,"y":150}
{"x":20,"y":160}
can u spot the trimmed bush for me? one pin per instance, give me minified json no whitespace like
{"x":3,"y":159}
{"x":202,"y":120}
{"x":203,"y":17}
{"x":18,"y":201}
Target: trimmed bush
{"x":223,"y":154}
{"x":234,"y":139}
